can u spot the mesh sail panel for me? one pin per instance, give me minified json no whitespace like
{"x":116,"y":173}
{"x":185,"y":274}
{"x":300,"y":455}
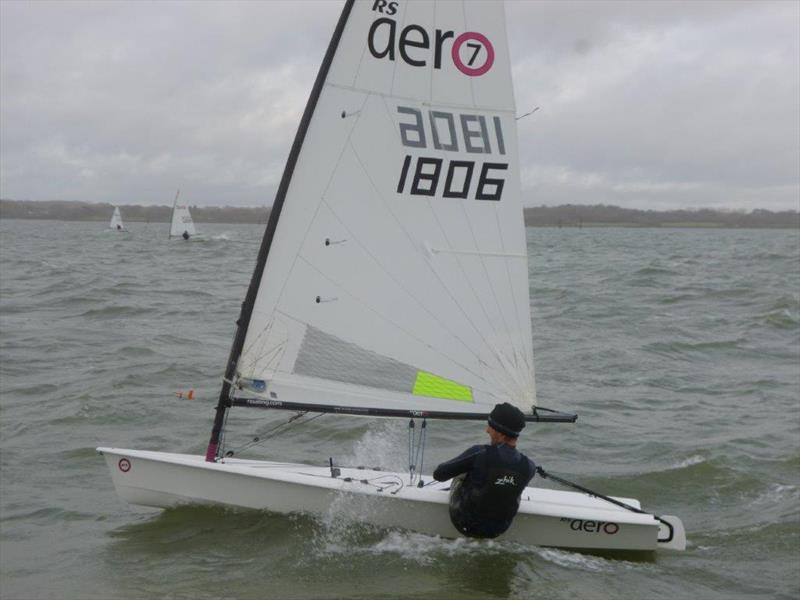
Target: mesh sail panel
{"x":327,"y":357}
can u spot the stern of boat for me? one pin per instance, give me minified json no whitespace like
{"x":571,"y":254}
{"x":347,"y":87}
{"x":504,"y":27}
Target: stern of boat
{"x":671,"y":535}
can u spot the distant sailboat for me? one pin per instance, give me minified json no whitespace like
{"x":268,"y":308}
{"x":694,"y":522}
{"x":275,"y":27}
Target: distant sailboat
{"x":181,"y":224}
{"x":116,"y":221}
{"x":392,"y":281}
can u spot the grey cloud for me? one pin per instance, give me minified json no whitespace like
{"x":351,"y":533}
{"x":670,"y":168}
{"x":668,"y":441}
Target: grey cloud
{"x":647,"y":104}
{"x":682,"y":104}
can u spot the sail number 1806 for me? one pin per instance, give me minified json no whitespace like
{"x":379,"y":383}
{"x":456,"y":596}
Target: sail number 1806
{"x":445,"y":132}
{"x":427,"y":175}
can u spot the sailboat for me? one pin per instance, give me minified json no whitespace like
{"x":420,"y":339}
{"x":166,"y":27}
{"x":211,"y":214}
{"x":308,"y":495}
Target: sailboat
{"x":392,"y":281}
{"x":116,"y":221}
{"x":181,"y":224}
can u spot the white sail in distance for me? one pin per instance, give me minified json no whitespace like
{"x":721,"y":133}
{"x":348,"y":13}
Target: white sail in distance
{"x":181,"y":219}
{"x":116,"y":220}
{"x":397,"y":277}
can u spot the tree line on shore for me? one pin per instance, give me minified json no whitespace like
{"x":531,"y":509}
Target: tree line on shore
{"x":569,"y":215}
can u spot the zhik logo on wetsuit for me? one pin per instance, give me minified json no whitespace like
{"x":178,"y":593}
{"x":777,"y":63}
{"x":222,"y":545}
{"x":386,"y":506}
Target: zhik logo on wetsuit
{"x":506,"y":480}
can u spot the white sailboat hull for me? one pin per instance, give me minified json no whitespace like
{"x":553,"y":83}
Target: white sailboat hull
{"x":545,"y":518}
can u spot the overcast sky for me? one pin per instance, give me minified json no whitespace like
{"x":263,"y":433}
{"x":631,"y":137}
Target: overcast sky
{"x":644,"y":104}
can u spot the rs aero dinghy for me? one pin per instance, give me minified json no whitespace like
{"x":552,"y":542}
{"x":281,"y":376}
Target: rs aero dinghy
{"x":181,"y":225}
{"x":116,"y":221}
{"x":392,"y":281}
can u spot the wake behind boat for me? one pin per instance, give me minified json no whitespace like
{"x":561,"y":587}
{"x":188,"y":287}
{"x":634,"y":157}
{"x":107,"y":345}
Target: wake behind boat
{"x":392,"y":281}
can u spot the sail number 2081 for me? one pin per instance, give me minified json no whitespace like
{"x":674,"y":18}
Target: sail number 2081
{"x":450,"y":132}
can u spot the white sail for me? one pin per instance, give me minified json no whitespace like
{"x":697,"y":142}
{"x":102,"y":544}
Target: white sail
{"x":397,"y":277}
{"x":181,"y":221}
{"x":116,"y":220}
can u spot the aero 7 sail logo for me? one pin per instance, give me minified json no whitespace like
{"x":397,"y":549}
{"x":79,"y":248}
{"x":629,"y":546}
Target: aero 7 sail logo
{"x":471,"y":52}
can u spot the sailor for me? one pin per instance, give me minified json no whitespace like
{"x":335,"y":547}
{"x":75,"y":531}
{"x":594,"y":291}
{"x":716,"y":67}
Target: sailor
{"x":119,"y":227}
{"x":185,"y":235}
{"x":489,"y":479}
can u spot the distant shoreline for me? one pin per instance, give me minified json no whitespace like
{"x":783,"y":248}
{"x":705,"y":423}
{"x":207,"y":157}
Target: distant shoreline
{"x":565,"y":216}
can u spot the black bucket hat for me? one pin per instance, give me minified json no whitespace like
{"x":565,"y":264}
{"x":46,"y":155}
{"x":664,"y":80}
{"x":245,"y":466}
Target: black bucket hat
{"x":507,"y":419}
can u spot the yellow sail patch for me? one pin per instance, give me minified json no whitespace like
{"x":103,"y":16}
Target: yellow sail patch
{"x":433,"y":386}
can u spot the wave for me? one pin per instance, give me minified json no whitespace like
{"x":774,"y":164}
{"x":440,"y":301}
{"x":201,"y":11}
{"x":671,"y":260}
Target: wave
{"x":695,"y":459}
{"x":113,"y":312}
{"x":689,"y":350}
{"x":784,"y":313}
{"x":655,"y":271}
{"x":47,"y":515}
{"x":776,"y":493}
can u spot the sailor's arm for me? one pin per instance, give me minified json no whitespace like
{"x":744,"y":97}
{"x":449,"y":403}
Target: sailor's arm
{"x":460,"y":464}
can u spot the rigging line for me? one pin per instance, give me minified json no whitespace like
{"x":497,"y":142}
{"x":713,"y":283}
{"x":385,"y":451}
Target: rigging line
{"x":358,"y":68}
{"x":528,"y":359}
{"x":486,"y":274}
{"x":502,"y":314}
{"x":466,"y":28}
{"x":390,"y":479}
{"x":399,"y":327}
{"x":430,"y":266}
{"x":508,"y":330}
{"x":410,"y":295}
{"x":420,"y":455}
{"x":313,"y":219}
{"x":389,"y":273}
{"x":443,"y":231}
{"x":573,"y":485}
{"x":432,"y":269}
{"x":520,"y":328}
{"x":257,"y":440}
{"x":222,"y":434}
{"x":466,"y":277}
{"x":411,"y":436}
{"x":430,"y":68}
{"x":472,"y":83}
{"x":402,"y":20}
{"x":477,"y":253}
{"x":419,"y":100}
{"x":258,"y":347}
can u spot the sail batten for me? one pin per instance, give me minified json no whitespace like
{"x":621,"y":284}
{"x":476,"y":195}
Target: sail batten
{"x":396,"y":277}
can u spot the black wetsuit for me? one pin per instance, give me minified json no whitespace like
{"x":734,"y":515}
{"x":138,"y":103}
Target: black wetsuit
{"x":484,"y":502}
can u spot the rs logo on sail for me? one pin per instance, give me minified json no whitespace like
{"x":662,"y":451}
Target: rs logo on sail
{"x":471,"y":52}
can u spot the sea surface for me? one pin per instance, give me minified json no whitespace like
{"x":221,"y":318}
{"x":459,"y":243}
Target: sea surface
{"x":679,"y":349}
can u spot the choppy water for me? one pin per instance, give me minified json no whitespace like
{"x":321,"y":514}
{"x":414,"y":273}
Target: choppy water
{"x":679,"y":349}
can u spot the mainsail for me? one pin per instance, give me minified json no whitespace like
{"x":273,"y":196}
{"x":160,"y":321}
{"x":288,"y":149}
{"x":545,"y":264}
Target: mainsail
{"x":116,"y":220}
{"x":181,"y":219}
{"x":397,"y":275}
{"x":392,"y":278}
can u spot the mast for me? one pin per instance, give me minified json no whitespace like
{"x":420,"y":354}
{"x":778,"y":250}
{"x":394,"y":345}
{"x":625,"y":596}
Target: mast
{"x":172,"y":216}
{"x":243,"y":321}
